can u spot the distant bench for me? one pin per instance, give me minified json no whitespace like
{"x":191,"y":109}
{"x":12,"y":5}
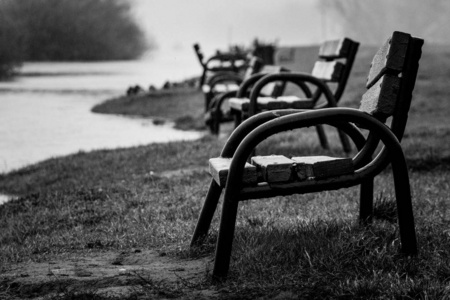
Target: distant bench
{"x":220,"y":63}
{"x":327,"y":80}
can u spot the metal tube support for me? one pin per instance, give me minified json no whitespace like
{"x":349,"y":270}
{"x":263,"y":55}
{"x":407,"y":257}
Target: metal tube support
{"x":226,"y":234}
{"x":207,"y":213}
{"x":366,"y":202}
{"x":404,"y":204}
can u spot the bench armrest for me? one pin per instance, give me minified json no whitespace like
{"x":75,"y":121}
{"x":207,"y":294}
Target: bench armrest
{"x":248,"y":83}
{"x":222,"y":77}
{"x":300,"y":79}
{"x":391,"y":151}
{"x":253,"y":122}
{"x":217,"y":101}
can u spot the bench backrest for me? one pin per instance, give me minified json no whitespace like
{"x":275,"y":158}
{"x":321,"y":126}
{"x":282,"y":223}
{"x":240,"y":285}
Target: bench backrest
{"x":276,"y":88}
{"x":254,"y":66}
{"x":391,"y":80}
{"x":222,"y":61}
{"x":336,"y":62}
{"x":199,"y":53}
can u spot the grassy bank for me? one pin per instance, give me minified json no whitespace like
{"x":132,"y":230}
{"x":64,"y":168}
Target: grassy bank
{"x":144,"y":199}
{"x":184,"y":106}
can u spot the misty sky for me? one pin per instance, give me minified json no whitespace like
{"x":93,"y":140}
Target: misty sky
{"x":176,"y":24}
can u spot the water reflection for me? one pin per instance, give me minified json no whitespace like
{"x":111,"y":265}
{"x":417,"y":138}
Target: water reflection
{"x":46,"y":113}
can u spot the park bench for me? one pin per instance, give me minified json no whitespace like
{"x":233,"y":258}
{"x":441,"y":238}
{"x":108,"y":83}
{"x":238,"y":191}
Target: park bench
{"x":390,"y":84}
{"x":218,"y":112}
{"x":329,"y":78}
{"x":220,"y":63}
{"x":227,"y":83}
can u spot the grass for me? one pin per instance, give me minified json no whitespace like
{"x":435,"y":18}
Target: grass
{"x":302,"y":246}
{"x":184,"y":106}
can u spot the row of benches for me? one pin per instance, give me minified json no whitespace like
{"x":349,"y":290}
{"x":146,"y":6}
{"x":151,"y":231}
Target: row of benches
{"x":240,"y":176}
{"x":263,"y":86}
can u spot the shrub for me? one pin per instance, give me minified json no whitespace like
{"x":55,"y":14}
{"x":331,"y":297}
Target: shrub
{"x":83,"y":30}
{"x":12,"y":48}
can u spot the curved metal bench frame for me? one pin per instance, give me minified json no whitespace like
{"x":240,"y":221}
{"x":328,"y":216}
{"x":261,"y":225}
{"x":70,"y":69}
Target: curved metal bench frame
{"x":400,"y":63}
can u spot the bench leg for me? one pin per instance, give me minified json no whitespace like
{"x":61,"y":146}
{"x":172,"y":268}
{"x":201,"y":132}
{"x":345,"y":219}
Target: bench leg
{"x":322,"y":137}
{"x":202,"y":79}
{"x":237,"y":119}
{"x":345,"y":142}
{"x":366,"y":202}
{"x":404,"y":206}
{"x":225,"y":239}
{"x":217,"y":117}
{"x":208,"y":98}
{"x":207,"y":213}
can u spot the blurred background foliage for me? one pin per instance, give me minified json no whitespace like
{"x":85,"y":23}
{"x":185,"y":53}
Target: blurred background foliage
{"x":67,"y":30}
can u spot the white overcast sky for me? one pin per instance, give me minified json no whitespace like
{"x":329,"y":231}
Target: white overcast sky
{"x":176,"y":24}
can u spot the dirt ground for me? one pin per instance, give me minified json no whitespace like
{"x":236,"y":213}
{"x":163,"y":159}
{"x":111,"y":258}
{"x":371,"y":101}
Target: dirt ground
{"x":113,"y":275}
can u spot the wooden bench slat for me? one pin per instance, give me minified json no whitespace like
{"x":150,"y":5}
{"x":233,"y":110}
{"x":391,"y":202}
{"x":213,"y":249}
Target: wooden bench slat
{"x":328,"y":70}
{"x":242,"y":104}
{"x":322,"y":166}
{"x":335,"y":48}
{"x":389,"y":58}
{"x":274,"y":168}
{"x":219,"y":167}
{"x":379,"y":100}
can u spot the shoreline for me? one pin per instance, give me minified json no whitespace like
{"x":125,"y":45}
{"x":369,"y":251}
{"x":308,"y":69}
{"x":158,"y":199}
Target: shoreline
{"x":181,"y":105}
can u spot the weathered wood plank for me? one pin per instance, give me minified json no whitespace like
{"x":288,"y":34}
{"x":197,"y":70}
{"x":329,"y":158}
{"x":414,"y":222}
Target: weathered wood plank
{"x":271,"y":69}
{"x":328,"y":70}
{"x":274,"y":168}
{"x":220,"y":88}
{"x":270,"y":103}
{"x":390,"y":58}
{"x":380,"y":99}
{"x":240,"y":104}
{"x":254,"y":66}
{"x":296,"y":102}
{"x":284,"y":102}
{"x":335,"y":48}
{"x":219,"y":167}
{"x":322,"y":166}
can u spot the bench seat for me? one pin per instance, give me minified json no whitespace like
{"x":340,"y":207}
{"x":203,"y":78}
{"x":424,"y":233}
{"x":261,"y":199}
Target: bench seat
{"x":275,"y":169}
{"x":270,"y":103}
{"x":220,"y":88}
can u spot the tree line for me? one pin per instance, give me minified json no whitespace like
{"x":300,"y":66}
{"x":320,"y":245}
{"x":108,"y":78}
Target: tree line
{"x":67,"y":30}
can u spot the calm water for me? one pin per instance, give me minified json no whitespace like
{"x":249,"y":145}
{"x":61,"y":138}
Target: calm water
{"x":45,"y":112}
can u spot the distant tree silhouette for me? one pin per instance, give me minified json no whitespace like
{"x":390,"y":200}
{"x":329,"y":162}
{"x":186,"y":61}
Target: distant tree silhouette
{"x":83,"y":30}
{"x":12,"y":47}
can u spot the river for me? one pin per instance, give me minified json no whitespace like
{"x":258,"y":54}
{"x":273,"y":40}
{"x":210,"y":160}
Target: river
{"x":45,"y":111}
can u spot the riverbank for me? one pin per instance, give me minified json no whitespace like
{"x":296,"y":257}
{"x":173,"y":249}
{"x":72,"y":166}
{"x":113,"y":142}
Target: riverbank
{"x":182,"y":105}
{"x":116,"y":224}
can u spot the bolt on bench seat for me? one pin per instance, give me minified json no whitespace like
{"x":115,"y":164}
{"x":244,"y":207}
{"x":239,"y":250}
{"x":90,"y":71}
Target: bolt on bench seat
{"x":389,"y":86}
